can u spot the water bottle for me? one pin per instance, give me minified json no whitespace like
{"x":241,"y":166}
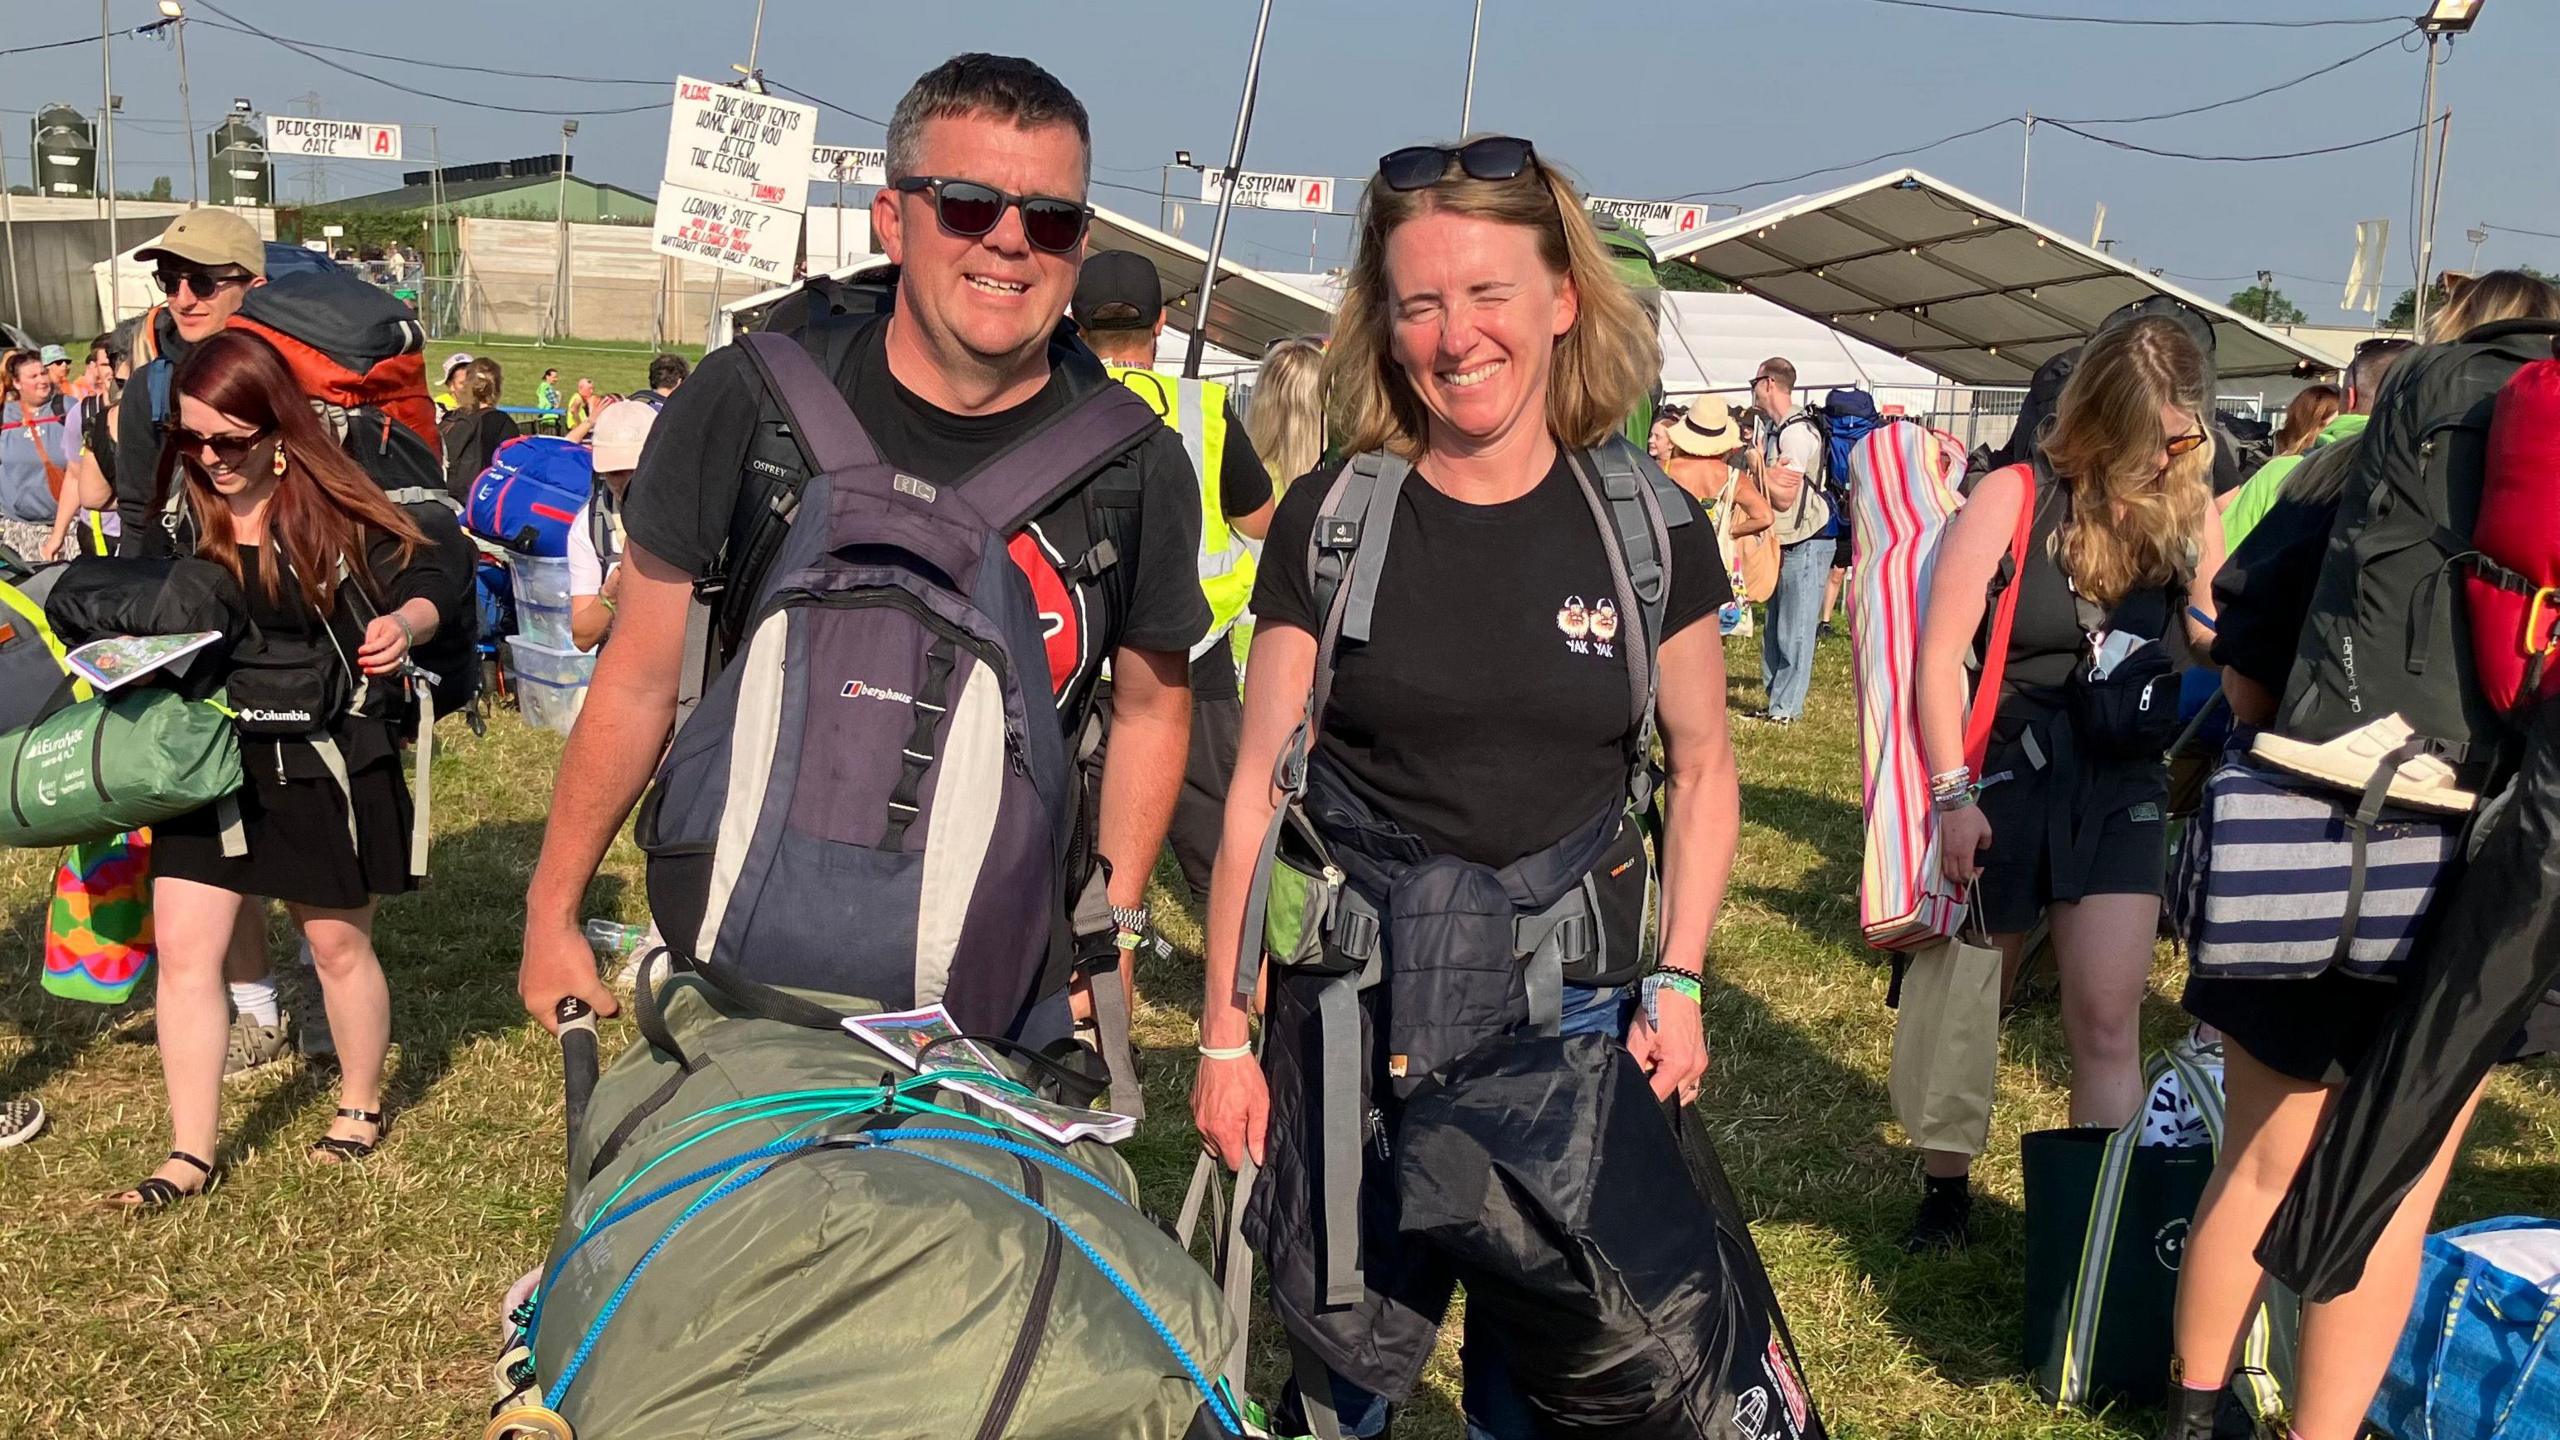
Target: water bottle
{"x":612,"y":937}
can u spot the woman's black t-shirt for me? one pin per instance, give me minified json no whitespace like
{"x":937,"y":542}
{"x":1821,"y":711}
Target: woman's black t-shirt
{"x":1487,"y":713}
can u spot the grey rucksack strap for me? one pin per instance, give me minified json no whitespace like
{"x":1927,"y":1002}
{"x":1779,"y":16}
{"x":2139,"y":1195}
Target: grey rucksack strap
{"x":821,"y":418}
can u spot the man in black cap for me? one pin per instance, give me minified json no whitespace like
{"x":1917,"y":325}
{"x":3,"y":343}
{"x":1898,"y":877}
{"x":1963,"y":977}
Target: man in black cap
{"x":1119,"y":305}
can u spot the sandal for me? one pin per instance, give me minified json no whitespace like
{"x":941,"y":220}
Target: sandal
{"x":334,"y":1150}
{"x":154,"y":1193}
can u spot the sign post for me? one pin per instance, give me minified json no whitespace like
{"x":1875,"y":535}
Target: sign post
{"x":737,"y":179}
{"x":331,"y":139}
{"x":1653,"y":219}
{"x":1226,"y":202}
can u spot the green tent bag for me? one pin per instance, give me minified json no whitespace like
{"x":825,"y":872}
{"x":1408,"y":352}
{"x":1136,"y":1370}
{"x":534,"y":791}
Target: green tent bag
{"x":94,"y":770}
{"x":873,"y":1271}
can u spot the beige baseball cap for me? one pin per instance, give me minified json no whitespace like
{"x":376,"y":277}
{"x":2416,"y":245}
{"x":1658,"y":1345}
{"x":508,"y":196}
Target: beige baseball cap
{"x":211,"y":237}
{"x":620,"y":433}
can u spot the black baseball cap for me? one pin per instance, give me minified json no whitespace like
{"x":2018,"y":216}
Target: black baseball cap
{"x":1117,"y":290}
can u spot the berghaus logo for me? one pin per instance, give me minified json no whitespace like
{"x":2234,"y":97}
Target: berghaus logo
{"x":865,"y":690}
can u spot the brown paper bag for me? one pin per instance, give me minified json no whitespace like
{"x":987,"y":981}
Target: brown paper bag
{"x":1946,"y":1045}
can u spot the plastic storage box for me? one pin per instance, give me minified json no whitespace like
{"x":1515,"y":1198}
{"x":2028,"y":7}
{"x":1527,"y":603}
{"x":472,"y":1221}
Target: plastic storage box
{"x":542,"y":599}
{"x":550,"y":684}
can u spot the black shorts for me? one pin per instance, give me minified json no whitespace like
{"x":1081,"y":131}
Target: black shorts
{"x":299,"y":850}
{"x":2025,"y":871}
{"x":2318,"y":1030}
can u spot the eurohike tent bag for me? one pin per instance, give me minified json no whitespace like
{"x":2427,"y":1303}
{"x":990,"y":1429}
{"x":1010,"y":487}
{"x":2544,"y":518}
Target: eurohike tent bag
{"x":97,"y":769}
{"x":826,"y":1266}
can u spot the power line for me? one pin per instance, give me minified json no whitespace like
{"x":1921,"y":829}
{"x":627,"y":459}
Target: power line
{"x":2396,"y":40}
{"x":1940,"y":5}
{"x":439,"y":64}
{"x":82,"y":40}
{"x":313,"y":55}
{"x":1855,"y":164}
{"x":2230,"y":159}
{"x":828,"y":104}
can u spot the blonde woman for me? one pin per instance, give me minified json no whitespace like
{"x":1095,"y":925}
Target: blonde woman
{"x":1483,"y":722}
{"x":476,"y":427}
{"x":1286,"y":419}
{"x":2065,"y":822}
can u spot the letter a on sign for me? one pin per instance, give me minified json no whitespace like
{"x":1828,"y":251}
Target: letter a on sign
{"x":1314,"y":198}
{"x":381,"y":142}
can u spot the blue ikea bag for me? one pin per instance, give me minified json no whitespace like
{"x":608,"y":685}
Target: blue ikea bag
{"x":531,"y":493}
{"x":2475,"y":1362}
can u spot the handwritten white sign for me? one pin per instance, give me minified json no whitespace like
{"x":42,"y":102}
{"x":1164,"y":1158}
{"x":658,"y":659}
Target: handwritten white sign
{"x":722,"y":140}
{"x":757,"y":240}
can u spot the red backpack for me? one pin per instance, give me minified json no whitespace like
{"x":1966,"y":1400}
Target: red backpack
{"x":2513,"y":582}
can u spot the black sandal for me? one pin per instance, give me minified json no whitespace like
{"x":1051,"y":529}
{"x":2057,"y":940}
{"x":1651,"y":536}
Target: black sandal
{"x":154,"y":1193}
{"x":332,"y":1150}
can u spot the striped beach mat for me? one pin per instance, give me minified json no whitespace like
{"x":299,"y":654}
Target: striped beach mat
{"x":1904,"y":482}
{"x":2282,"y":877}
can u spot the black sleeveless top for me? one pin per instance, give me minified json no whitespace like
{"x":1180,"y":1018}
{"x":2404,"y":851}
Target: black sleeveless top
{"x":2049,"y":635}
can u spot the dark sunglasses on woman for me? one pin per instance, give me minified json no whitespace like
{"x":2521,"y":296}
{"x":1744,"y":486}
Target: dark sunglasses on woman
{"x":1419,"y":167}
{"x":969,"y":209}
{"x":230,"y":450}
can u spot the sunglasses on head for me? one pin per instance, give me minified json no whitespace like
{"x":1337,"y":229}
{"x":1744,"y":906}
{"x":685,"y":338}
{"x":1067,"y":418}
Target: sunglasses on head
{"x":230,"y":450}
{"x":969,"y":209}
{"x":204,"y":284}
{"x":1419,"y":167}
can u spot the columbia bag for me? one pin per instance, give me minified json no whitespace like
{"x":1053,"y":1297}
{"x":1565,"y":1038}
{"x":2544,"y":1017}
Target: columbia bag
{"x":2107,"y":1219}
{"x":97,"y":937}
{"x":1591,"y":1255}
{"x":2477,"y":1360}
{"x":886,"y":737}
{"x":94,"y":770}
{"x":2390,"y":629}
{"x":772,"y":1230}
{"x":531,"y":493}
{"x":2513,"y":584}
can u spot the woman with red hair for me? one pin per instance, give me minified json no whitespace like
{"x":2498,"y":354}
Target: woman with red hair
{"x":339,"y":583}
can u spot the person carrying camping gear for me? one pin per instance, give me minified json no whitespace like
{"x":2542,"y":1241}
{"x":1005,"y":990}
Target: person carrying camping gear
{"x":475,"y":427}
{"x":1119,"y":305}
{"x":596,"y":533}
{"x":89,"y":490}
{"x":2305,"y":998}
{"x":340,"y":585}
{"x":1708,"y":460}
{"x":1460,"y":726}
{"x":1798,"y":483}
{"x":666,"y":372}
{"x":974,"y":419}
{"x":2094,"y":551}
{"x":206,"y":262}
{"x":39,"y":446}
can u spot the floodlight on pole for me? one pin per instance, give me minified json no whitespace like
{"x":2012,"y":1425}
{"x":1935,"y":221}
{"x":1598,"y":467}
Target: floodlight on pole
{"x":175,"y":16}
{"x":2450,"y":17}
{"x":2478,"y":235}
{"x":560,"y":213}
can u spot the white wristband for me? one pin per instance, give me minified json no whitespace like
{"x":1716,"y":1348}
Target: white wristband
{"x":1226,"y":1052}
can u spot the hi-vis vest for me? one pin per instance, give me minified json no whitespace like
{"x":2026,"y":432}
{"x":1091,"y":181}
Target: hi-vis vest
{"x":1197,"y":409}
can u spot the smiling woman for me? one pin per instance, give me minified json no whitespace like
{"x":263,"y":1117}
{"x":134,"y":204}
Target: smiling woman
{"x":1479,"y":753}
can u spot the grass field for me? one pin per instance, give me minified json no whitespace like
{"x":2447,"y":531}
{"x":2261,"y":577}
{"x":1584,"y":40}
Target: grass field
{"x":360,"y":1302}
{"x":616,"y":369}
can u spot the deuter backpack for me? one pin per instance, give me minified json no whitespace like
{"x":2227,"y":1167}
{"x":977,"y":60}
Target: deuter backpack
{"x":2390,"y":624}
{"x":874,"y":797}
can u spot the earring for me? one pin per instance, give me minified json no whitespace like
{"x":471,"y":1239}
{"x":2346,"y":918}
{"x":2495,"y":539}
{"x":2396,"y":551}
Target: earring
{"x":279,"y":465}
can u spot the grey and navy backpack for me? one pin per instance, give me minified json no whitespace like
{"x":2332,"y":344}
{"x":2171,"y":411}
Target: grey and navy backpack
{"x":874,"y":797}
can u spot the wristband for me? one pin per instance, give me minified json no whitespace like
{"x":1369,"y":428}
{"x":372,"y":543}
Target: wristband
{"x":408,"y":632}
{"x":1128,"y":940}
{"x":1678,"y":983}
{"x":1958,"y":800}
{"x":1226,"y":1052}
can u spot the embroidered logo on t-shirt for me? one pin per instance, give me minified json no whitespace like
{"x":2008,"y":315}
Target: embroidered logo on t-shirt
{"x":1589,"y":629}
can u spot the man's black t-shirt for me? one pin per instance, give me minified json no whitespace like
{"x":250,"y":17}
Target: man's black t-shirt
{"x":1487,"y":713}
{"x":684,"y":494}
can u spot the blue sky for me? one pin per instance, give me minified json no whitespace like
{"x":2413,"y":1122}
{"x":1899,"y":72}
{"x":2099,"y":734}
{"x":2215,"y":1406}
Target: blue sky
{"x":1642,"y":100}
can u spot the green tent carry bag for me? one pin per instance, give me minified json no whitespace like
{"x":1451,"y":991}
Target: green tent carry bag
{"x":2107,"y":1223}
{"x":94,"y":770}
{"x":767,"y":1234}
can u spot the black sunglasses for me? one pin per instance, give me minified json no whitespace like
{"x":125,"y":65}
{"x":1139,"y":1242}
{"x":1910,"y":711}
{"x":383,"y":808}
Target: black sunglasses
{"x":1419,"y":167}
{"x":970,"y":209}
{"x":205,"y":284}
{"x":228,"y":449}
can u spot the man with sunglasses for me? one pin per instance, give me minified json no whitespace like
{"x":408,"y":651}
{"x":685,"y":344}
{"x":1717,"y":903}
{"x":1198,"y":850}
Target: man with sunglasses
{"x":206,"y":262}
{"x":1793,"y":447}
{"x":984,"y":217}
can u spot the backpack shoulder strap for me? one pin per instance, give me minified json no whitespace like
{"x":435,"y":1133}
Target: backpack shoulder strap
{"x":1349,"y":544}
{"x":1042,"y":467}
{"x":2004,"y":613}
{"x":821,"y":418}
{"x":1634,"y":515}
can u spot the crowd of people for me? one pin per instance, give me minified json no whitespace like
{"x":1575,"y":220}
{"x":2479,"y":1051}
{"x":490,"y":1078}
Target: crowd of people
{"x":1488,"y":690}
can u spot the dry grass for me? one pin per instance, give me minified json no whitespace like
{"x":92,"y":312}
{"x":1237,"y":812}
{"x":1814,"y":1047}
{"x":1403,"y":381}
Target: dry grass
{"x":359,"y":1302}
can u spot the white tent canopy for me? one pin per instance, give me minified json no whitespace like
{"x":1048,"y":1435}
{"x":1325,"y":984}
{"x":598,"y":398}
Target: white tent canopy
{"x":1713,"y":344}
{"x":1912,"y":265}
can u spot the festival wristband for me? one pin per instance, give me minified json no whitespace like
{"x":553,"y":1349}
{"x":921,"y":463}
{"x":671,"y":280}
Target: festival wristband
{"x":1226,"y":1052}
